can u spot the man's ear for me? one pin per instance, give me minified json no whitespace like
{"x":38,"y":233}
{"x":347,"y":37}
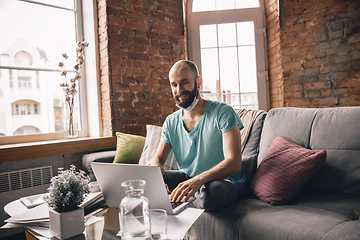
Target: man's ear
{"x":199,"y":81}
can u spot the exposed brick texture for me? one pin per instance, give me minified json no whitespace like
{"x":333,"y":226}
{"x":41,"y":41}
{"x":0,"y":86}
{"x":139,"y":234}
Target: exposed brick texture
{"x":313,"y":49}
{"x":320,"y":53}
{"x":139,"y":42}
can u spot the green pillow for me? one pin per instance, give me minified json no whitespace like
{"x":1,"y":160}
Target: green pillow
{"x":128,"y":148}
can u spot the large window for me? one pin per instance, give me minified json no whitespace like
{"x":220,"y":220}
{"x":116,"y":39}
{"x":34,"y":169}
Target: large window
{"x":32,"y":100}
{"x":227,"y":39}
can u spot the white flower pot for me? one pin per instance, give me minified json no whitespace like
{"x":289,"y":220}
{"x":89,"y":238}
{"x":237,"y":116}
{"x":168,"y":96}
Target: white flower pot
{"x":67,"y":224}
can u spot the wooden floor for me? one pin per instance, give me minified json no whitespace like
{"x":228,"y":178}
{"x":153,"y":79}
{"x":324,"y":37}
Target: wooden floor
{"x":18,"y":236}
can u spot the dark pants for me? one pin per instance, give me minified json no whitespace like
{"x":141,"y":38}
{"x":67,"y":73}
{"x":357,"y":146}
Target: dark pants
{"x":213,"y":195}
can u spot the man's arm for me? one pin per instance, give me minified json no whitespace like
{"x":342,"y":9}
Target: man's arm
{"x":159,"y":159}
{"x":161,"y":154}
{"x":229,"y":166}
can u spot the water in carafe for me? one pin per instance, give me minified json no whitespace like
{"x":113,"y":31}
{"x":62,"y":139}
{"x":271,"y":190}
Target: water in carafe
{"x":134,"y":211}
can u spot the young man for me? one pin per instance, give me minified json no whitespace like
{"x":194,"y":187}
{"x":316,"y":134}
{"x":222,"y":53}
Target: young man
{"x":205,"y":138}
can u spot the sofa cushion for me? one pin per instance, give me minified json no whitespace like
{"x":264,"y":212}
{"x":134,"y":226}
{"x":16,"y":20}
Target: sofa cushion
{"x":128,"y":148}
{"x":225,"y":223}
{"x":290,"y":222}
{"x":293,"y":123}
{"x":348,"y":230}
{"x":153,"y":135}
{"x":337,"y":130}
{"x":284,"y":171}
{"x":335,"y":202}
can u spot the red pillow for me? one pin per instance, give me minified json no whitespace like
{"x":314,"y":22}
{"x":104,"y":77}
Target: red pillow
{"x":284,"y":170}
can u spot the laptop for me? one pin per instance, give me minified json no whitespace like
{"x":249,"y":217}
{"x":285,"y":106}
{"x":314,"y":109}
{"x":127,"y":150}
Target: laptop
{"x":110,"y":176}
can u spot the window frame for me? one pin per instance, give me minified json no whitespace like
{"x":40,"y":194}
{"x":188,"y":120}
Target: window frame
{"x":257,"y":15}
{"x":89,"y":88}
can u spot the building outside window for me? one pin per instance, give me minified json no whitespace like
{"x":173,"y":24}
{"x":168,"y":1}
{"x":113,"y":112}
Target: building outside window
{"x":36,"y":110}
{"x":11,"y":78}
{"x":29,"y":73}
{"x":227,"y":42}
{"x":37,"y":79}
{"x":23,"y":109}
{"x":24,"y":82}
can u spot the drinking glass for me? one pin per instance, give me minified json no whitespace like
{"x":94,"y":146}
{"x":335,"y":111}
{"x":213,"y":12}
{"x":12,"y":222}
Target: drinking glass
{"x":158,"y":219}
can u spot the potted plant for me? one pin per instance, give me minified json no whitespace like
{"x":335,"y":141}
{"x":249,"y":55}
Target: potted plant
{"x":66,"y":192}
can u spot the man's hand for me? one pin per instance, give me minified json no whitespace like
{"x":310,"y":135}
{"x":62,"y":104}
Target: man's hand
{"x":167,"y":189}
{"x":185,"y":189}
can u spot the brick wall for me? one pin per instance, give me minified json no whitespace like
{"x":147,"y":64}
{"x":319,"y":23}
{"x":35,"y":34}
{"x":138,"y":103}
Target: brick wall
{"x":313,"y":56}
{"x":320,"y":48}
{"x":139,"y":41}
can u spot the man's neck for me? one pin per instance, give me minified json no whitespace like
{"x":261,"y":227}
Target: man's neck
{"x":198,"y":110}
{"x":192,"y":118}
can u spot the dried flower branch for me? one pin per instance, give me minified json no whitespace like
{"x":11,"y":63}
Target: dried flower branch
{"x":67,"y":190}
{"x":69,"y":87}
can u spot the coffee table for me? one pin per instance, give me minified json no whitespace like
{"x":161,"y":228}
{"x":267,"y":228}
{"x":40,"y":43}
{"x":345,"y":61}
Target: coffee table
{"x":104,"y":225}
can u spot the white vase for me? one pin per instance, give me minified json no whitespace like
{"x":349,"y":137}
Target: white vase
{"x":67,"y":224}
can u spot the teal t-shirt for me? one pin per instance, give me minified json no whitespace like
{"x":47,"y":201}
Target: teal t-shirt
{"x":202,"y":148}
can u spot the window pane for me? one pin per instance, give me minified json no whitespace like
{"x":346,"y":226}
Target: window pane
{"x":228,"y":70}
{"x":227,"y":34}
{"x":48,"y":103}
{"x":62,"y":3}
{"x":36,"y":40}
{"x":54,"y":33}
{"x":247,"y":66}
{"x":203,"y":5}
{"x":246,"y":33}
{"x":210,"y":71}
{"x":225,"y":4}
{"x":208,"y":36}
{"x":218,"y":5}
{"x":246,"y":4}
{"x":228,"y":73}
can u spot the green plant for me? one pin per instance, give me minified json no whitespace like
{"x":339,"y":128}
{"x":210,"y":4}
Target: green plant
{"x":67,"y":190}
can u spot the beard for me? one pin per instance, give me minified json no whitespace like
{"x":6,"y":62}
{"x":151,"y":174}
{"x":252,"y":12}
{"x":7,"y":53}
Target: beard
{"x":189,"y":100}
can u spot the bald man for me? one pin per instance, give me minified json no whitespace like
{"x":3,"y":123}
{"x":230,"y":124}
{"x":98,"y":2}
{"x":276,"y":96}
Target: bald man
{"x":205,"y":138}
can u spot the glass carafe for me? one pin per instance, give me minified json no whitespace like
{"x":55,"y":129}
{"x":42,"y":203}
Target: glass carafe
{"x":134,"y":211}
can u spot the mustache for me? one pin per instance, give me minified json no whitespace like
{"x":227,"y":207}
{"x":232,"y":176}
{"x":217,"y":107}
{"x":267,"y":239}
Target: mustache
{"x":182,"y":94}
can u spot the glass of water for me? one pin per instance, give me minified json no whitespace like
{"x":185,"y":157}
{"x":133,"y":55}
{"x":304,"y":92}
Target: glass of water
{"x":158,"y":219}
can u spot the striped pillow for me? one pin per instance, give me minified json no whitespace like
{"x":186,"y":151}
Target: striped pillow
{"x":153,"y":135}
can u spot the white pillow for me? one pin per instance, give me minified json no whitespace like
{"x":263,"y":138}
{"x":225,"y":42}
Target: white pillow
{"x":153,"y":135}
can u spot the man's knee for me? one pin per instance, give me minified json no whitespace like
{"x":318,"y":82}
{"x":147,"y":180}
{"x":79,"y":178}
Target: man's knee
{"x":216,"y":195}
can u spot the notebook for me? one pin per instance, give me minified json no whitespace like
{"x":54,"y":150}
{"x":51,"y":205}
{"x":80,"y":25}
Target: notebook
{"x":111,"y":175}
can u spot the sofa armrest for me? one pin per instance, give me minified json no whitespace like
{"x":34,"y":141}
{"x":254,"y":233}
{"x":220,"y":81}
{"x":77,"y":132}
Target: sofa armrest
{"x":104,"y":156}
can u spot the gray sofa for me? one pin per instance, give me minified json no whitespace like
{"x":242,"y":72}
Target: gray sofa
{"x":324,"y":209}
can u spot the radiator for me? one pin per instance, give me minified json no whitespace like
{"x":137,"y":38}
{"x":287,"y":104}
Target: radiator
{"x":26,"y":178}
{"x":21,"y":183}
